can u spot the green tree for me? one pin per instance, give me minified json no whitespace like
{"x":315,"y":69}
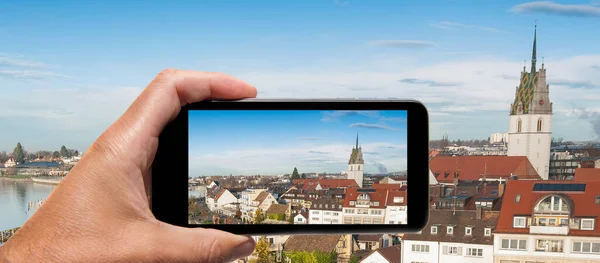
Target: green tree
{"x":354,"y":259}
{"x":56,"y":154}
{"x":63,"y":151}
{"x":259,"y":216}
{"x":31,"y":157}
{"x":295,"y":174}
{"x":19,"y":153}
{"x":261,"y":252}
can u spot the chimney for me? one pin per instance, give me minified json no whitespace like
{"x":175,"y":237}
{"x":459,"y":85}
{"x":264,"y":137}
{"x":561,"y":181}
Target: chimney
{"x":478,"y":213}
{"x":485,"y":188}
{"x":501,"y":187}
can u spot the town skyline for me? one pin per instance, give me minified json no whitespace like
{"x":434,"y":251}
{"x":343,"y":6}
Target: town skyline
{"x":274,"y":142}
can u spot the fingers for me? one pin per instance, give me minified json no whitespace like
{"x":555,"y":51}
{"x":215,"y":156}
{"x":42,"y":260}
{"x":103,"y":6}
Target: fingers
{"x":178,"y":244}
{"x":162,"y":100}
{"x":137,"y":131}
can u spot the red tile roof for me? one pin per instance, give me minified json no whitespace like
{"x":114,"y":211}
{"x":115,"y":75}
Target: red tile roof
{"x":583,"y":204}
{"x":587,"y":175}
{"x":473,"y":167}
{"x":386,"y":186}
{"x":311,"y":184}
{"x":392,"y":194}
{"x":376,"y":195}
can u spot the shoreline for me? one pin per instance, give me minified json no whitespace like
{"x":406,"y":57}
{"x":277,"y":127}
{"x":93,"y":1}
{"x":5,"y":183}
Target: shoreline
{"x":12,"y":179}
{"x":31,"y":179}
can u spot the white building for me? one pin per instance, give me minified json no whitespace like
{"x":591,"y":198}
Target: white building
{"x":364,"y":206}
{"x":301,"y":218}
{"x":549,"y":221}
{"x":246,"y":198}
{"x":262,"y":201}
{"x":326,"y":211}
{"x":395,"y":211}
{"x":10,"y":162}
{"x":453,"y":236}
{"x":218,"y":198}
{"x":498,"y":137}
{"x":530,"y":127}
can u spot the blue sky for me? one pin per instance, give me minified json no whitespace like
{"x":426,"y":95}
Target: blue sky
{"x":274,"y":142}
{"x":70,"y":68}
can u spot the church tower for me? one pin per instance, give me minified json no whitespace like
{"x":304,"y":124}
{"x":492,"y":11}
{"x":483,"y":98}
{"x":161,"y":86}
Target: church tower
{"x":356,"y":165}
{"x":530,"y":127}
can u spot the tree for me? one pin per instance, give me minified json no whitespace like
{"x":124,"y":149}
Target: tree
{"x":31,"y":157}
{"x":63,"y":151}
{"x":295,"y":174}
{"x":303,"y":176}
{"x":76,"y":153}
{"x":261,"y":252}
{"x":19,"y":153}
{"x":56,"y":154}
{"x":259,"y":216}
{"x":3,"y":157}
{"x":354,"y":259}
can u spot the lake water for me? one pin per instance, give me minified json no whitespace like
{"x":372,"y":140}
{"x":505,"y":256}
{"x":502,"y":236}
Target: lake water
{"x":15,"y":198}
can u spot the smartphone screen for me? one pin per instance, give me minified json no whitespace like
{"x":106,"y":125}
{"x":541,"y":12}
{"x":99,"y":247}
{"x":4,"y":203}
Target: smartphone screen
{"x":297,"y":167}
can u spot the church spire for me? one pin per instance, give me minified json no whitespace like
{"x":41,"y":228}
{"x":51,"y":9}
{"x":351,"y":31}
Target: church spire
{"x":356,"y":140}
{"x":533,"y":55}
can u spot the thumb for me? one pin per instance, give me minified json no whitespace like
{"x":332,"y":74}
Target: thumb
{"x":179,"y":244}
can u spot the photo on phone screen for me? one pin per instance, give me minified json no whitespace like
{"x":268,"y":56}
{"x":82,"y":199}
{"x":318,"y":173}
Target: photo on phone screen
{"x":297,"y":166}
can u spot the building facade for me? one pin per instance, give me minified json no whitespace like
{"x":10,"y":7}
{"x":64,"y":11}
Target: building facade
{"x":549,"y":221}
{"x":326,"y":211}
{"x":530,"y":127}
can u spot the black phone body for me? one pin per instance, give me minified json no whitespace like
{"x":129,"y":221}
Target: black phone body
{"x":364,"y":201}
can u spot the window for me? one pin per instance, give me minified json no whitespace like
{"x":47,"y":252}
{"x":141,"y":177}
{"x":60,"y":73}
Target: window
{"x":586,"y":247}
{"x":517,"y":198}
{"x":552,"y":204}
{"x":597,"y":199}
{"x":299,"y":219}
{"x":514,"y":244}
{"x":487,"y":232}
{"x":376,"y":203}
{"x":475,"y":252}
{"x":539,"y":126}
{"x":315,"y":219}
{"x":587,"y":224}
{"x":468,"y":230}
{"x":420,"y":248}
{"x":451,"y":250}
{"x":544,"y":245}
{"x":449,"y":230}
{"x":519,"y":126}
{"x":351,"y":202}
{"x":510,"y":261}
{"x":434,"y":230}
{"x":335,"y":213}
{"x":519,"y":222}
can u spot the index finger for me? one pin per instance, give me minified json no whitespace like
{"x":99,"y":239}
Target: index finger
{"x":162,"y":100}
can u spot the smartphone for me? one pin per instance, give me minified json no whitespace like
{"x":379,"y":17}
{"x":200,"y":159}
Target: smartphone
{"x":277,"y":166}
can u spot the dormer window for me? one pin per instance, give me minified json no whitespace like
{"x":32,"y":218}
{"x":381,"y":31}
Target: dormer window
{"x":450,"y":230}
{"x":517,"y":198}
{"x":587,"y":224}
{"x":487,"y":232}
{"x":552,"y":204}
{"x":434,"y":230}
{"x":519,"y":222}
{"x":468,"y":231}
{"x":597,"y":199}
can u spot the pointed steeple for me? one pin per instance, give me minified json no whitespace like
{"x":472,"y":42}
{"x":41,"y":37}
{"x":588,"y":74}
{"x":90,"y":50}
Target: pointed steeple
{"x":356,"y":140}
{"x":533,"y":55}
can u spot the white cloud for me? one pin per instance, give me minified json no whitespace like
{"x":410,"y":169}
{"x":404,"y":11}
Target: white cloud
{"x":558,"y":9}
{"x":453,"y":25}
{"x":307,"y":157}
{"x":484,"y":87}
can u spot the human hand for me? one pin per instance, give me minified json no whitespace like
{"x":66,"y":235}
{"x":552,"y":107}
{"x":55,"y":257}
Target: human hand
{"x":100,"y":211}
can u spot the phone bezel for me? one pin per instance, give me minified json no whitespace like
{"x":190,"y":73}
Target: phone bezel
{"x":169,"y":196}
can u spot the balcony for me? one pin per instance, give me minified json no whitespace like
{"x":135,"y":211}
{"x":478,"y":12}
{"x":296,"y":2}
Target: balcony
{"x":549,"y":230}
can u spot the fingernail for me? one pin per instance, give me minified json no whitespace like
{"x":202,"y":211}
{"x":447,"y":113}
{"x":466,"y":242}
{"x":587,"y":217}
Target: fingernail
{"x":244,"y":249}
